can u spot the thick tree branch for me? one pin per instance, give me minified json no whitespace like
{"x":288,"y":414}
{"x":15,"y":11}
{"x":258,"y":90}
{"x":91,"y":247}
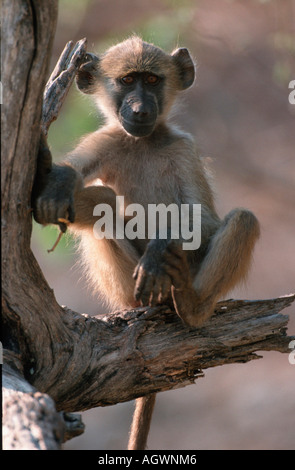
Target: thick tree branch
{"x":132,"y":353}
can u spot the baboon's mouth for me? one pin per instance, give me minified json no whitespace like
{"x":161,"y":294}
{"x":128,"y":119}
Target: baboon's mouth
{"x":138,"y":129}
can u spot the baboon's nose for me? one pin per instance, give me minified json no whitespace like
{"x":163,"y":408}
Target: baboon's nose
{"x":140,"y":111}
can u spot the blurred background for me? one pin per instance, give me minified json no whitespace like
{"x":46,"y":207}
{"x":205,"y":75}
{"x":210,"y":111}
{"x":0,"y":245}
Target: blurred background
{"x":239,"y":112}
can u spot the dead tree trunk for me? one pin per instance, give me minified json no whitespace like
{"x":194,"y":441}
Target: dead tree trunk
{"x":57,"y":359}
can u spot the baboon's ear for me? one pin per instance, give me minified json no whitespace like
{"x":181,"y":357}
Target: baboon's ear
{"x":87,"y":74}
{"x":186,"y":67}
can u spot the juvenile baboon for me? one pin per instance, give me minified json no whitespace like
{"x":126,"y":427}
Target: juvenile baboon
{"x":138,"y":154}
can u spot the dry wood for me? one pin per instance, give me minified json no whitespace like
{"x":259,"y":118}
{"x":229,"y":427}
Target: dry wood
{"x":61,"y":80}
{"x":79,"y":361}
{"x":30,"y":420}
{"x":132,"y":353}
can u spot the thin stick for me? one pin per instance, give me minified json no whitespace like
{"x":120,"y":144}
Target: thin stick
{"x":62,"y":221}
{"x":56,"y":243}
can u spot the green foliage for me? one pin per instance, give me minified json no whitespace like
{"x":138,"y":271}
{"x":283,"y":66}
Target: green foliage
{"x":77,"y":118}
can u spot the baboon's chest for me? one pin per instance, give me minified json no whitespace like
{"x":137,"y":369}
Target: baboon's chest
{"x":142,"y":179}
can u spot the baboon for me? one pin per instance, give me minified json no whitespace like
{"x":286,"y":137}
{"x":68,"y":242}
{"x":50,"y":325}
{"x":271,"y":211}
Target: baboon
{"x":140,"y":155}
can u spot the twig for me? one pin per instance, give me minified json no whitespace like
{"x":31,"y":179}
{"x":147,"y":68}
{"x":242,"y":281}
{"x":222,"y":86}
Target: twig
{"x":56,"y":243}
{"x":61,"y":221}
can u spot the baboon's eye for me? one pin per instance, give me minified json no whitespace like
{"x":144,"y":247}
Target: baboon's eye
{"x":128,"y":80}
{"x":152,"y":79}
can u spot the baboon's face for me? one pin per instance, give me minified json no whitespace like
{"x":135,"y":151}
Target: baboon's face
{"x":136,"y":83}
{"x":139,"y":101}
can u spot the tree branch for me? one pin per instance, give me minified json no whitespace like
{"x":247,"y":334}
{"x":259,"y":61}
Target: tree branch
{"x":30,"y":421}
{"x":61,"y":80}
{"x":133,"y":353}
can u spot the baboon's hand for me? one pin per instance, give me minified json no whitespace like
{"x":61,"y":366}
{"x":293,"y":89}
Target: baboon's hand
{"x":56,"y":199}
{"x":153,"y":281}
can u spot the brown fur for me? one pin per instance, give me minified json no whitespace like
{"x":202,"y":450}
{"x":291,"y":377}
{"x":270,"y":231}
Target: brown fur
{"x":163,"y":167}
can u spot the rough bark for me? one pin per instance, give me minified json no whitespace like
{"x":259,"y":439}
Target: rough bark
{"x":132,"y":353}
{"x":30,"y":421}
{"x":60,"y":81}
{"x":82,"y":362}
{"x":28,"y":28}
